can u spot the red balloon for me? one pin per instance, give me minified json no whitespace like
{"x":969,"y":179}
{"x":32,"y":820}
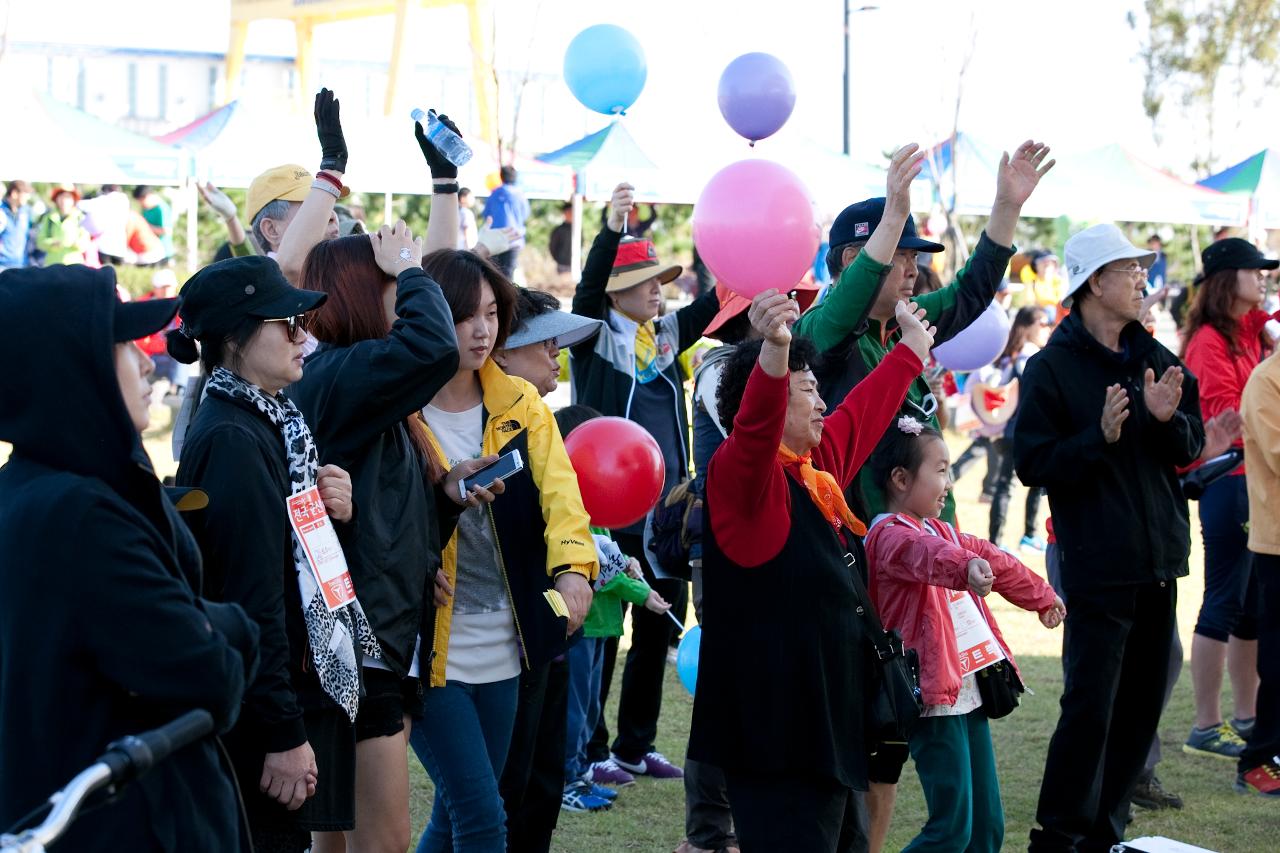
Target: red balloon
{"x":619,"y":467}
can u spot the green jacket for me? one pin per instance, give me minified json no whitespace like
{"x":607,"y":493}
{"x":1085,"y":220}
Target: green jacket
{"x":613,"y":587}
{"x":853,"y":344}
{"x":62,"y":240}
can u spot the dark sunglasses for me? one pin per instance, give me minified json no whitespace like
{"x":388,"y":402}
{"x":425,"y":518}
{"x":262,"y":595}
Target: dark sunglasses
{"x":292,"y":324}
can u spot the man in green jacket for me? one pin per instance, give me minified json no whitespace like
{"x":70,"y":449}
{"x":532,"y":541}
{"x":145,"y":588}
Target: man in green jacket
{"x":874,"y":268}
{"x":853,"y":327}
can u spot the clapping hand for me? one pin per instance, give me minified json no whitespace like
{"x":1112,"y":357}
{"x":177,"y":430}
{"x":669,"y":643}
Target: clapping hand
{"x":1019,"y":175}
{"x":333,"y":146}
{"x":917,"y":333}
{"x":1220,"y":433}
{"x":1162,"y":397}
{"x":1115,"y":410}
{"x":980,"y":577}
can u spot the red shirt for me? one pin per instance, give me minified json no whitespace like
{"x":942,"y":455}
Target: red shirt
{"x":745,"y":481}
{"x":1222,"y":372}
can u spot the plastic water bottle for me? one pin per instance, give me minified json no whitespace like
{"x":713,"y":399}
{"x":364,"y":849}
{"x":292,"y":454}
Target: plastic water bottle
{"x":445,"y":140}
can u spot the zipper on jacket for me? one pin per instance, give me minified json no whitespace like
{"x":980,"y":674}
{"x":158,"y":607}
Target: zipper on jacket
{"x":502,"y":567}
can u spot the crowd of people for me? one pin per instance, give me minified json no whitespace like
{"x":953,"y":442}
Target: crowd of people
{"x":337,"y":580}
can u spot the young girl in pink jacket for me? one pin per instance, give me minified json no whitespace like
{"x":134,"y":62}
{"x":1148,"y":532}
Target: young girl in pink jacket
{"x":928,"y":581}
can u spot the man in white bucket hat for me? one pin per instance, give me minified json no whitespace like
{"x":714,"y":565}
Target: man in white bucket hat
{"x":1107,"y":417}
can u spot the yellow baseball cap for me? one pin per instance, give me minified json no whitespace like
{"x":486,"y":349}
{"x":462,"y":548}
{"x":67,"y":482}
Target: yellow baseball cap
{"x":289,"y":182}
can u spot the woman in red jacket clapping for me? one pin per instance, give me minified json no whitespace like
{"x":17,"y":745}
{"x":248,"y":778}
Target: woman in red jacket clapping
{"x":1225,"y":340}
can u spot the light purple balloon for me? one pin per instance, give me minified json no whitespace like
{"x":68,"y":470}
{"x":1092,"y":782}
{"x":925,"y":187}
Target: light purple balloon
{"x":756,"y":95}
{"x":979,"y":344}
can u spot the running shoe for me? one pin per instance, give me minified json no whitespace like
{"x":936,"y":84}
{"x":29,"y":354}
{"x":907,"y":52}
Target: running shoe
{"x":653,"y":764}
{"x":1220,"y":741}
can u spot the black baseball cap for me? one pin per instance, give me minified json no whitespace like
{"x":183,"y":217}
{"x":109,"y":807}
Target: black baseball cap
{"x":1234,"y":253}
{"x":133,"y":320}
{"x":216,"y":298}
{"x":857,"y":221}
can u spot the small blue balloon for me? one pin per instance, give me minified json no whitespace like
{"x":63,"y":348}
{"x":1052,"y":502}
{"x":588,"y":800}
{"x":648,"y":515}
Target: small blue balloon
{"x":687,"y":658}
{"x":605,"y":68}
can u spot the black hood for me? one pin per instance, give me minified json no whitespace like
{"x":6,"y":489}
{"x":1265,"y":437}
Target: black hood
{"x":1071,"y":334}
{"x":60,"y":401}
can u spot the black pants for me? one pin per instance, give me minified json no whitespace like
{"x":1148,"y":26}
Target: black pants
{"x":979,"y":449}
{"x":1001,"y":457}
{"x":533,"y":778}
{"x":1115,"y":654}
{"x":708,"y":821}
{"x":640,"y":701}
{"x":796,"y":814}
{"x":1264,"y":743}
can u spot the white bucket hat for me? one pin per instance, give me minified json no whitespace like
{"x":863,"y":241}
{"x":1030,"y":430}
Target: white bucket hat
{"x":1093,"y":248}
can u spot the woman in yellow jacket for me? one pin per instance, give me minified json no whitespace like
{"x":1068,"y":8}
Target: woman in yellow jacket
{"x":515,"y":581}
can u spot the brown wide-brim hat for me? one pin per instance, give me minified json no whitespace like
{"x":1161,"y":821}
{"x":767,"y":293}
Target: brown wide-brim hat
{"x":636,"y":263}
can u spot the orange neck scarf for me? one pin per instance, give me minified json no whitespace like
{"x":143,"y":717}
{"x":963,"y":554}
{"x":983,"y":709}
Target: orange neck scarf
{"x":824,"y":491}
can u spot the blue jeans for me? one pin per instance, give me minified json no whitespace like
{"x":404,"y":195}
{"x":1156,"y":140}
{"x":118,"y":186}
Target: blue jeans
{"x":462,"y":742}
{"x":586,"y":668}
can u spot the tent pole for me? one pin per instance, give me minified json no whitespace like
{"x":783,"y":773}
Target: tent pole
{"x":193,"y":230}
{"x":575,"y":256}
{"x":387,"y":203}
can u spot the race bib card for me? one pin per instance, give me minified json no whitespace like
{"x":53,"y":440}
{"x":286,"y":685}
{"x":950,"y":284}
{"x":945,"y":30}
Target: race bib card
{"x":977,"y":645}
{"x":320,"y":545}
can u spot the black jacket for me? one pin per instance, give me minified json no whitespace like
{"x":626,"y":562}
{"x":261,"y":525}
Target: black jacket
{"x":1118,"y":511}
{"x":356,"y":400}
{"x":235,"y":455}
{"x":101,"y":632}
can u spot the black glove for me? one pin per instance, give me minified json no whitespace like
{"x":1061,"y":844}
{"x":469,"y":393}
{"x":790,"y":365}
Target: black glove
{"x":333,"y":147}
{"x":440,"y":165}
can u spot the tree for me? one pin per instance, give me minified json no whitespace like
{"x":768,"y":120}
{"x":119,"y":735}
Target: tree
{"x":1197,"y":51}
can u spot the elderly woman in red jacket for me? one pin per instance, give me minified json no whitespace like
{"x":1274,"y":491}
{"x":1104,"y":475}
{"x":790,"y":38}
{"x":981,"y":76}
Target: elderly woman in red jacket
{"x":1225,"y":340}
{"x":785,"y":658}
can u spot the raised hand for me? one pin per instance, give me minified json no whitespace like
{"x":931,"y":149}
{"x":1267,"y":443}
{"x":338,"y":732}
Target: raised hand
{"x":980,"y":577}
{"x":218,"y":200}
{"x":904,"y":166}
{"x":917,"y":333}
{"x":1115,"y":410}
{"x":1220,"y":433}
{"x":772,"y":314}
{"x":396,"y":249}
{"x":624,"y":199}
{"x":440,"y":165}
{"x":333,"y":145}
{"x":1019,"y":175}
{"x":1162,"y":397}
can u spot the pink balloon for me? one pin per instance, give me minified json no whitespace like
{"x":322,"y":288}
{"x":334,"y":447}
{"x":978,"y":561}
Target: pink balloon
{"x":754,"y":227}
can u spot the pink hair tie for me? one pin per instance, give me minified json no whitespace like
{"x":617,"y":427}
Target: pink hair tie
{"x":910,"y":425}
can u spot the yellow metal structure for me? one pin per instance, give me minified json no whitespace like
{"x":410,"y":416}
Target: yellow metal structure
{"x":305,"y":14}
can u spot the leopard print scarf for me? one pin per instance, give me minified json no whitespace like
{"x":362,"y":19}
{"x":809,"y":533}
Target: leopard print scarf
{"x":333,"y":635}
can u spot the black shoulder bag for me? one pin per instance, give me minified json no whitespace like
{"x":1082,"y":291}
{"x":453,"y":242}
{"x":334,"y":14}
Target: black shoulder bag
{"x":896,"y":702}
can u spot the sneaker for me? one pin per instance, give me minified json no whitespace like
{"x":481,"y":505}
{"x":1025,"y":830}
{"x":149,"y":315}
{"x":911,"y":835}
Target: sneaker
{"x":608,"y":772}
{"x":1263,"y":780}
{"x":653,"y":764}
{"x":602,"y":792}
{"x":1244,"y":728}
{"x":1150,"y":794}
{"x":1035,"y":543}
{"x":577,"y":797}
{"x":1220,"y":741}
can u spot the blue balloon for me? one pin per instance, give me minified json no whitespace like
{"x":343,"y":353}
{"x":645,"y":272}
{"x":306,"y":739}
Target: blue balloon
{"x":687,"y":658}
{"x":605,"y":68}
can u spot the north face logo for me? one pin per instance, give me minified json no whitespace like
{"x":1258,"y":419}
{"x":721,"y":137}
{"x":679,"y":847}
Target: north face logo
{"x":509,"y":426}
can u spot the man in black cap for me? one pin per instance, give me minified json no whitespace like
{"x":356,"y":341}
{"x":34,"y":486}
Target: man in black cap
{"x":853,"y":327}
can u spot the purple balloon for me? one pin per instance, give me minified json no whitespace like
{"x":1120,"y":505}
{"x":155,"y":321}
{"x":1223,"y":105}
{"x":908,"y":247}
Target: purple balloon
{"x":756,"y":95}
{"x":979,"y":344}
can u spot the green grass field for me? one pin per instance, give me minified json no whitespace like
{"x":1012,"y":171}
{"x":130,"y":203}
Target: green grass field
{"x":649,"y":816}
